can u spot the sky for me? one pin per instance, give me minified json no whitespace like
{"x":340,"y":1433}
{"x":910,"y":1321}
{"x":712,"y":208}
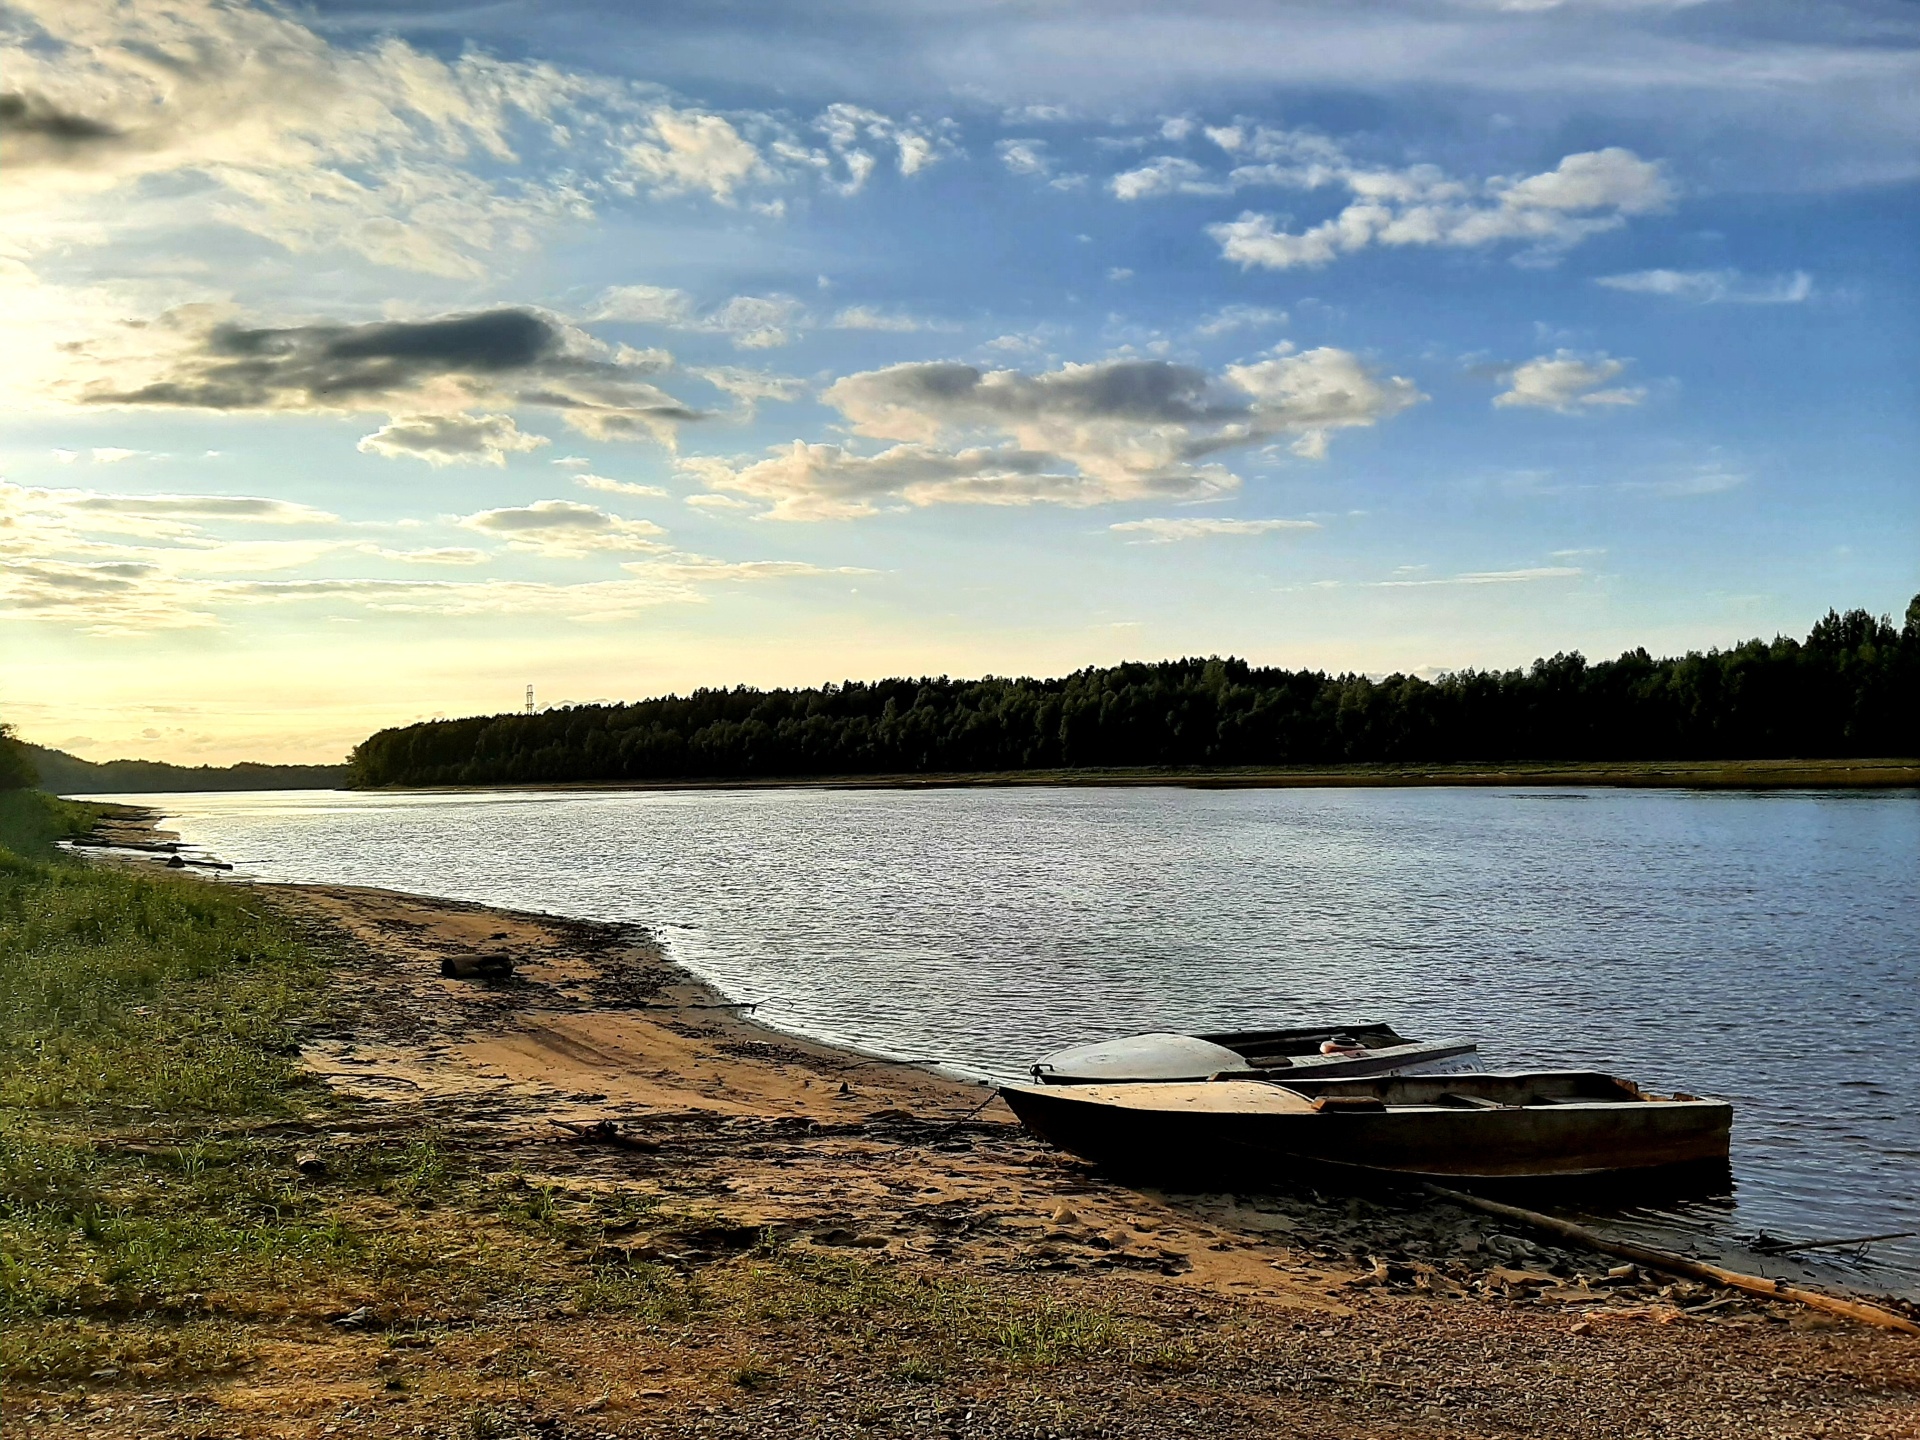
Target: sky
{"x":372,"y":361}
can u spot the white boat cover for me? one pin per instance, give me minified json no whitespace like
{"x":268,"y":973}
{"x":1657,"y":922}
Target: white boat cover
{"x":1143,"y":1057}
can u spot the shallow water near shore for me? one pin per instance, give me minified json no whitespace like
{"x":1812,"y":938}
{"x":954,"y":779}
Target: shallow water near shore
{"x":1761,"y":947}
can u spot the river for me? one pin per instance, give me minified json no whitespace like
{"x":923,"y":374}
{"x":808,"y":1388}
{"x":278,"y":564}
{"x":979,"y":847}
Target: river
{"x":1764,"y":947}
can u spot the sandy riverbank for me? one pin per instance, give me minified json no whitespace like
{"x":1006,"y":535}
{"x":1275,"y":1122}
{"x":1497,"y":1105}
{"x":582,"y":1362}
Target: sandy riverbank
{"x":758,"y":1154}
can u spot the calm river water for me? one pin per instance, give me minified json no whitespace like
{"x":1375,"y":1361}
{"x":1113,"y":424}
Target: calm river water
{"x":1760,"y":946}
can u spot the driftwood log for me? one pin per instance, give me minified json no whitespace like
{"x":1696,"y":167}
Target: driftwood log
{"x":477,"y":967}
{"x":1674,"y":1264}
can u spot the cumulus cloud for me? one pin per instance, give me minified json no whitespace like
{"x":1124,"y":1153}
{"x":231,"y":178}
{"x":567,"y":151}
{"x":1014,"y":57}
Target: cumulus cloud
{"x":687,"y":151}
{"x":1079,"y":435}
{"x":429,"y":371}
{"x":1032,"y":159}
{"x":1714,"y":287}
{"x":451,"y":439}
{"x":854,"y":133}
{"x":1166,"y":175}
{"x":1166,"y":531}
{"x":1585,"y":194}
{"x":1568,"y":383}
{"x":565,"y":528}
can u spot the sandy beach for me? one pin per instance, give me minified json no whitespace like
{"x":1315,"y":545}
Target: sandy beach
{"x":880,"y":1250}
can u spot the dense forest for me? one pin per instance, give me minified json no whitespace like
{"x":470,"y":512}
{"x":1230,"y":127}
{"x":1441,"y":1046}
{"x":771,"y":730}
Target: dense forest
{"x":65,"y":774}
{"x":1851,"y":688}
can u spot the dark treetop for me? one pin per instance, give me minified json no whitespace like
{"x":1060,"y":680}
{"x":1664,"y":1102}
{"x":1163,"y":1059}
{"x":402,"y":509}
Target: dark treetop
{"x":1852,"y":688}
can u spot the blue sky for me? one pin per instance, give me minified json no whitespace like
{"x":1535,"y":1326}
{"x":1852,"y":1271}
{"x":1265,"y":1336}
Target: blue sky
{"x":370,"y":362}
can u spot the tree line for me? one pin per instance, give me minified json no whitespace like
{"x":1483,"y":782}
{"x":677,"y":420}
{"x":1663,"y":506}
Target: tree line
{"x":1851,"y":688}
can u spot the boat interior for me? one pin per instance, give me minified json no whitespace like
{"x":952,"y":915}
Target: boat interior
{"x":1276,"y":1049}
{"x":1470,"y":1092}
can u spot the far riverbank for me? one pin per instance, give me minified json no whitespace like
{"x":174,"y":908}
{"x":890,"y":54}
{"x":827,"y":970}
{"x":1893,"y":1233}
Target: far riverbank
{"x":1850,"y":774}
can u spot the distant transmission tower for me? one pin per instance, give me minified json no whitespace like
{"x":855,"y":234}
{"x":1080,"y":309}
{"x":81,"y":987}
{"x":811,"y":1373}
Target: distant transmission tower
{"x":529,"y":699}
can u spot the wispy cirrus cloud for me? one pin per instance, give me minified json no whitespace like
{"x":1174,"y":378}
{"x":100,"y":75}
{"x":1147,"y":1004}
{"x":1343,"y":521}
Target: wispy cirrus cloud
{"x":1714,"y":287}
{"x":1168,"y":530}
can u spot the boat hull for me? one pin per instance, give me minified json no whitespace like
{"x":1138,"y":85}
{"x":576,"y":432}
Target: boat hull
{"x":1568,"y":1137}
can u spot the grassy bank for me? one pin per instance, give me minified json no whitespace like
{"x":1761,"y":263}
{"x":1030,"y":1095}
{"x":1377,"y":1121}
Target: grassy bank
{"x":178,"y":1199}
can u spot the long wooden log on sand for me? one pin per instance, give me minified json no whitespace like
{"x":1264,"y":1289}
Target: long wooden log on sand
{"x":1682,"y":1265}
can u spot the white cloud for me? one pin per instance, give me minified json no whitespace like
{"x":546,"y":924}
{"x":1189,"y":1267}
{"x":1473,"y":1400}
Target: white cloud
{"x":1166,"y":531}
{"x":1583,"y":195}
{"x":374,"y":151}
{"x":758,"y":322}
{"x":565,"y":528}
{"x":1714,"y":287}
{"x":717,"y":502}
{"x":112,"y":454}
{"x":687,"y":151}
{"x":1568,"y":383}
{"x":1229,"y":318}
{"x":867,"y":317}
{"x":619,"y":487}
{"x":752,"y":322}
{"x":55,"y":571}
{"x":1032,"y":159}
{"x":1078,"y":435}
{"x":749,"y":387}
{"x":1526,"y":576}
{"x":430,"y":555}
{"x":1166,"y":175}
{"x":852,"y":134}
{"x":645,"y":305}
{"x":459,"y":439}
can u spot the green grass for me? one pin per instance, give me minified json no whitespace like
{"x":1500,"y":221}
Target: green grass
{"x":153,"y":1218}
{"x":138,"y":991}
{"x":931,"y":1324}
{"x":143,"y":1016}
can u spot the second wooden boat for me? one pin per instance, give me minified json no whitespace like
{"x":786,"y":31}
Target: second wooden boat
{"x":1540,"y":1125}
{"x":1319,"y":1051}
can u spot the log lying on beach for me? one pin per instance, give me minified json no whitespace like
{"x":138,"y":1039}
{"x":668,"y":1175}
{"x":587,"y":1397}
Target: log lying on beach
{"x":477,"y":967}
{"x":1674,"y":1264}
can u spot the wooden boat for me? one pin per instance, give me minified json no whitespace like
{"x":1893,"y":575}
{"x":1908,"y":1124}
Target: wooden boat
{"x":1378,"y":1050}
{"x":1548,"y":1124}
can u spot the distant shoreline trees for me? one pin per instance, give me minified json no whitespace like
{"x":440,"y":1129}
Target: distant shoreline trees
{"x":1851,"y":688}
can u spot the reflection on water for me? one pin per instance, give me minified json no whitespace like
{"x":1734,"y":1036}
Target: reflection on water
{"x":1762,"y":947}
